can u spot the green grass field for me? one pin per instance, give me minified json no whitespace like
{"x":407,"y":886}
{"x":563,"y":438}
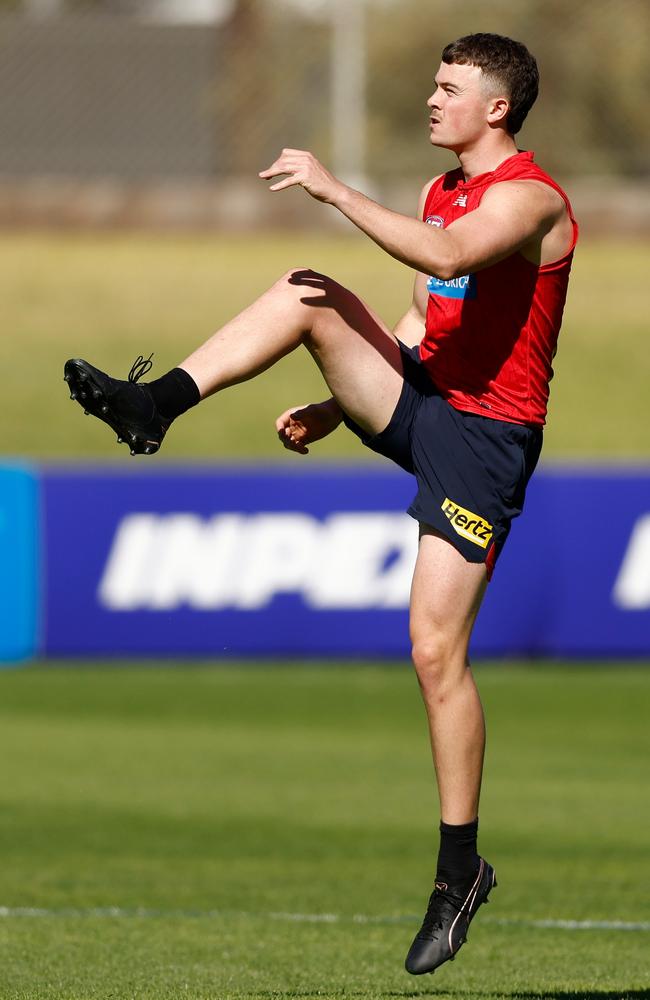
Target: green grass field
{"x":268,"y":832}
{"x":112,"y":297}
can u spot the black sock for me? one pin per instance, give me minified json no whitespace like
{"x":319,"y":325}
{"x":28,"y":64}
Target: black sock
{"x":458,"y":858}
{"x":174,"y":393}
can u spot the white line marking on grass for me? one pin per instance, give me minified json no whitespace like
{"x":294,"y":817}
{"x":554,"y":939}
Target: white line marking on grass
{"x":10,"y":912}
{"x":305,"y":918}
{"x":576,"y":925}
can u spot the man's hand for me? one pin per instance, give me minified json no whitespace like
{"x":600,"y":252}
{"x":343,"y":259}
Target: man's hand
{"x":303,"y":425}
{"x":303,"y":169}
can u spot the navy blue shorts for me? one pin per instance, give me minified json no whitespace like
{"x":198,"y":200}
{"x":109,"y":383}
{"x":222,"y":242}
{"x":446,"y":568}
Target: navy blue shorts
{"x":471,"y":471}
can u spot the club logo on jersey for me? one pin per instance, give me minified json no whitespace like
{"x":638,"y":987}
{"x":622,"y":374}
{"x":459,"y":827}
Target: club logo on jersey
{"x":463,"y":287}
{"x":456,"y":288}
{"x":466,"y":524}
{"x":461,"y":201}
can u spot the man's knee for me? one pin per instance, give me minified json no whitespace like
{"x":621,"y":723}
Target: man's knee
{"x":321,"y":294}
{"x":328,"y":303}
{"x":439,"y":664}
{"x":305,"y":277}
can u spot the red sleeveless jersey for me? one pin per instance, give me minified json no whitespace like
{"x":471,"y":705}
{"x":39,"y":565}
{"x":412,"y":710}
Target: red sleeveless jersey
{"x":491,"y":336}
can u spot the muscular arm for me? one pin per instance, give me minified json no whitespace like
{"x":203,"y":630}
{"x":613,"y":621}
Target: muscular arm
{"x":513,"y":215}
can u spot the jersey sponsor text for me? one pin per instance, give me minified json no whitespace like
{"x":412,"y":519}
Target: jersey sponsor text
{"x":463,"y":287}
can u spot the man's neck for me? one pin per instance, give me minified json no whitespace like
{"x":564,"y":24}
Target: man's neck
{"x":483,"y":158}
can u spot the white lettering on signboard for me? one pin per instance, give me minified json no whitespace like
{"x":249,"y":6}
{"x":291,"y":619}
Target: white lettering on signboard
{"x":366,"y":561}
{"x":279,"y":553}
{"x":349,"y":561}
{"x":632,"y":587}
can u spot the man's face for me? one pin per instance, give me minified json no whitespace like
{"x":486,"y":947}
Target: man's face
{"x":459,"y":106}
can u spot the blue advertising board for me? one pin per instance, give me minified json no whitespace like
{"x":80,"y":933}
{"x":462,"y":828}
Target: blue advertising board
{"x":19,"y":563}
{"x":269,"y":562}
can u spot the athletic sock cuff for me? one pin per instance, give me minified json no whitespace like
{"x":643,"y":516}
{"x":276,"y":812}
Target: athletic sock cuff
{"x":458,"y":856}
{"x":461,"y":829}
{"x":174,"y":393}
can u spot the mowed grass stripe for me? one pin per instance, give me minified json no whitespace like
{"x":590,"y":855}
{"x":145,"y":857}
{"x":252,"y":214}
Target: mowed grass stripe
{"x":258,"y":959}
{"x":270,"y":832}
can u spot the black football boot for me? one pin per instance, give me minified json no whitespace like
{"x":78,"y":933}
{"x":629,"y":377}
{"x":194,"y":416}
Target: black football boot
{"x":128,"y":408}
{"x":448,"y":916}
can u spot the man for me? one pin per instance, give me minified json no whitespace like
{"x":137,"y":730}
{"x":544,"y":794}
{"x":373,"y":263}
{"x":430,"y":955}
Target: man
{"x":456,"y":394}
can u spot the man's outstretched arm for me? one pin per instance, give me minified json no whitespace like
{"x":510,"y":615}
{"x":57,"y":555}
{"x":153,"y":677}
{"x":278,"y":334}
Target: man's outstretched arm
{"x":512,"y":215}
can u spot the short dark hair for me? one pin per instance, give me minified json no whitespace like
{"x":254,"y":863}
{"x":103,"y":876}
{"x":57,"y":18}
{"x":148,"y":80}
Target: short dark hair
{"x":510,"y":65}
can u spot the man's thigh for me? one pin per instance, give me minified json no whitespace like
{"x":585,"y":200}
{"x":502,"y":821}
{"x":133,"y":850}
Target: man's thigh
{"x":359,"y":357}
{"x":446,"y":596}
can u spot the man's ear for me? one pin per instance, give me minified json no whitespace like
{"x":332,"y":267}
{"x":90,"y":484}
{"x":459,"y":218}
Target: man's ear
{"x":498,"y":110}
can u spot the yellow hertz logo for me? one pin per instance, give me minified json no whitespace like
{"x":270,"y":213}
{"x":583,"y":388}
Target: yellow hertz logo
{"x":470,"y":526}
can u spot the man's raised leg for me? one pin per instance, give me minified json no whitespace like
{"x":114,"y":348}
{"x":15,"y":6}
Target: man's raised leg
{"x":445,"y":598}
{"x":358,"y":356}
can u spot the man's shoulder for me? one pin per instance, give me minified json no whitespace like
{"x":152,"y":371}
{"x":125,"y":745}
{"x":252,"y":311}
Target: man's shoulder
{"x":532,"y":191}
{"x":524,"y":168}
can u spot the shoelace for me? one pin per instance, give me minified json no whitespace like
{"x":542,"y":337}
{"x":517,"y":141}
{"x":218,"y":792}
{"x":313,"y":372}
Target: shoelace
{"x":433,"y":921}
{"x":140,"y":367}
